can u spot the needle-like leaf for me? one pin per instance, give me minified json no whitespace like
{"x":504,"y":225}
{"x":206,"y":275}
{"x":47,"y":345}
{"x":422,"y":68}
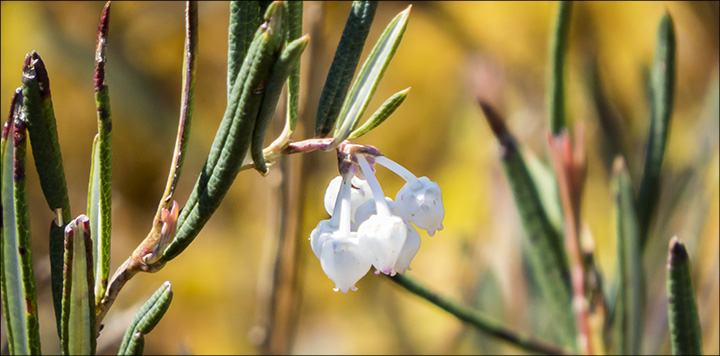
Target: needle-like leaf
{"x":661,"y":96}
{"x":78,"y":303}
{"x":145,"y":320}
{"x":342,"y":69}
{"x":628,"y":307}
{"x":100,"y":186}
{"x":369,"y":77}
{"x":686,"y":336}
{"x":17,"y":279}
{"x":41,"y":125}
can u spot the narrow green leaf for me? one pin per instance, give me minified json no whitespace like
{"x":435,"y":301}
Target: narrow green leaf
{"x":57,"y":253}
{"x":100,"y":186}
{"x":629,"y":304}
{"x":477,"y":319}
{"x":136,"y":345}
{"x":187,"y":99}
{"x":38,"y":110}
{"x":613,"y":137}
{"x":558,"y":51}
{"x":661,"y":97}
{"x":233,"y":138}
{"x":294,"y":31}
{"x":97,"y":227}
{"x":685,"y":333}
{"x":385,"y":110}
{"x":342,"y":69}
{"x":17,"y":280}
{"x":245,"y":17}
{"x":280,"y":72}
{"x":543,"y":244}
{"x":372,"y":71}
{"x":145,"y":320}
{"x":78,"y":307}
{"x":544,"y":179}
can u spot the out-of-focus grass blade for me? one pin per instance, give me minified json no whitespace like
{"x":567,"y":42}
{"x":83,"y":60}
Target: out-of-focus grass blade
{"x":661,"y":97}
{"x":245,"y":18}
{"x":280,"y":72}
{"x":231,"y":145}
{"x":145,"y":320}
{"x":294,"y":31}
{"x":17,"y":279}
{"x":544,"y":246}
{"x":342,"y":69}
{"x":78,"y":304}
{"x":100,"y":186}
{"x":609,"y":120}
{"x":629,"y":305}
{"x":558,"y":49}
{"x":547,"y":188}
{"x":685,"y":333}
{"x":372,"y":71}
{"x":38,"y":109}
{"x":477,"y":319}
{"x":385,"y":110}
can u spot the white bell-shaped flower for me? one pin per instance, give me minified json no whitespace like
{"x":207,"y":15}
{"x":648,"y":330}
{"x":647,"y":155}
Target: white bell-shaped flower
{"x":408,"y":251}
{"x":420,"y":200}
{"x":360,"y":193}
{"x":344,"y":260}
{"x":421,"y":203}
{"x":322,"y":232}
{"x":384,"y":235}
{"x":367,"y":209}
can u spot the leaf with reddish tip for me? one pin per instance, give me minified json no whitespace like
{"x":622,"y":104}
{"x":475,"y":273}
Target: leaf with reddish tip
{"x":17,"y":279}
{"x":100,"y":186}
{"x":40,"y":116}
{"x":78,"y":303}
{"x":685,"y":333}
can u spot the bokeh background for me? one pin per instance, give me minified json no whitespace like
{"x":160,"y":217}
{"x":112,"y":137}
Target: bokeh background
{"x":451,"y":52}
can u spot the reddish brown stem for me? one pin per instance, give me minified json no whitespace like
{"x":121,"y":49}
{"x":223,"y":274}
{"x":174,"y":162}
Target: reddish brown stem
{"x":570,"y":168}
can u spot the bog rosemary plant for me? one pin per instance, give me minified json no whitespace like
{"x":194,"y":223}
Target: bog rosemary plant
{"x":365,"y":230}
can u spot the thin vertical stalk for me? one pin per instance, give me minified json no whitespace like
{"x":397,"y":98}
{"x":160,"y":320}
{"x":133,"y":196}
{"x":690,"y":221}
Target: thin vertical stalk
{"x":100,"y":191}
{"x":558,"y":50}
{"x":628,"y":307}
{"x":570,"y":168}
{"x":662,"y":87}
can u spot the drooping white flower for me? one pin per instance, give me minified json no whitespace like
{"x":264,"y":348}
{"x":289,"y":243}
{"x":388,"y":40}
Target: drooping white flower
{"x":419,"y":200}
{"x":368,"y":208}
{"x":384,"y":236}
{"x":408,"y":251}
{"x":344,"y":260}
{"x":421,"y":203}
{"x":359,"y":194}
{"x":383,"y":233}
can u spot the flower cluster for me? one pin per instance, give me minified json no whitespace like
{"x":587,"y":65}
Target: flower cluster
{"x":368,"y":229}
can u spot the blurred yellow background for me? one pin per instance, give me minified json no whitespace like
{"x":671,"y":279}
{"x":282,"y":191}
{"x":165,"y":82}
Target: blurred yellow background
{"x":450,"y":52}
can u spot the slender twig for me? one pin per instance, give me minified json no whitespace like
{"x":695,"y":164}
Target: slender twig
{"x":477,"y":319}
{"x":570,"y":168}
{"x":134,"y":263}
